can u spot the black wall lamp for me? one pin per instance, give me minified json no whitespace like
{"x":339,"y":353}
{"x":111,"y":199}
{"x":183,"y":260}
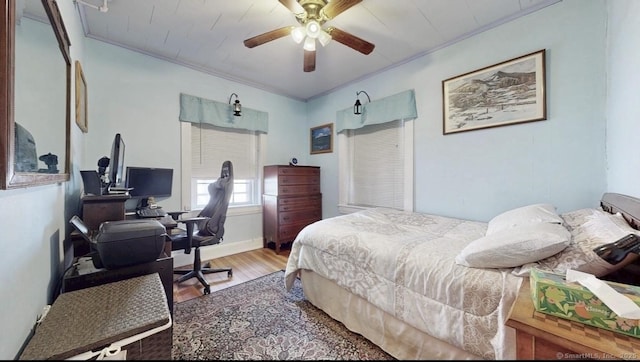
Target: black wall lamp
{"x":357,"y":108}
{"x":237,"y":107}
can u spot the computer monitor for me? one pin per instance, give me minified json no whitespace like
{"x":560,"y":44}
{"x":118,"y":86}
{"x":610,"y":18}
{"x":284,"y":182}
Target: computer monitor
{"x":116,"y":163}
{"x":149,"y":182}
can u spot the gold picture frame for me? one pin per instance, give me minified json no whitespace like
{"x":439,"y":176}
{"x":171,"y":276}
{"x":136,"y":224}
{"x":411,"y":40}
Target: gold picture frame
{"x":506,"y":93}
{"x":321,"y":139}
{"x":81,"y":99}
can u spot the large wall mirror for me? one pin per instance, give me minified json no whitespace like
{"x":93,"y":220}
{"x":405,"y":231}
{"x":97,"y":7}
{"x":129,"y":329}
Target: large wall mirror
{"x":36,"y":93}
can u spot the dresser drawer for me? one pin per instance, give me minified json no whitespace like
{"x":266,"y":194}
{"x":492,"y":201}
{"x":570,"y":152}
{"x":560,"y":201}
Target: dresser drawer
{"x":299,"y":203}
{"x":299,"y":180}
{"x":297,"y":170}
{"x":290,"y":217}
{"x":286,"y":190}
{"x":289,"y":232}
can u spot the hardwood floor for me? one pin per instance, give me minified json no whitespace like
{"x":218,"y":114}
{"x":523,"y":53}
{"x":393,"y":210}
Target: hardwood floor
{"x":246,"y":266}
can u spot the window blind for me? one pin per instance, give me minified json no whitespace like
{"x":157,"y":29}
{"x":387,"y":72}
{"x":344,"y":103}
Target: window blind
{"x":211,"y":146}
{"x":377,"y":165}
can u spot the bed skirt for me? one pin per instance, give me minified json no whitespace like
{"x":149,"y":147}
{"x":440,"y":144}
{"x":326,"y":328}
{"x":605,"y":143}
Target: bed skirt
{"x":395,"y":337}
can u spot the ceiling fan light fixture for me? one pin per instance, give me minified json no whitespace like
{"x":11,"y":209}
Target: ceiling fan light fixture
{"x":311,"y":15}
{"x":313,"y":29}
{"x":298,"y":34}
{"x":324,"y":38}
{"x":309,"y":44}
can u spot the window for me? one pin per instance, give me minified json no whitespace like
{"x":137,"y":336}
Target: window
{"x":243,"y":193}
{"x":377,"y":166}
{"x":205,"y":148}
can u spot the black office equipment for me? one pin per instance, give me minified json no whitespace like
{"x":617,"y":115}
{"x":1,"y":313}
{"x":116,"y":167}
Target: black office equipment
{"x":615,"y":252}
{"x":92,"y":183}
{"x":116,"y":164}
{"x":148,"y":212}
{"x":210,"y":227}
{"x":51,"y":161}
{"x":25,"y":150}
{"x":103,"y":163}
{"x":148,"y":182}
{"x":125,"y":242}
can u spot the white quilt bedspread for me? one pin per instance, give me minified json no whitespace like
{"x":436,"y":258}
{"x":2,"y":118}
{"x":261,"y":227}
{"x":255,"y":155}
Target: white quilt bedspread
{"x":404,"y":264}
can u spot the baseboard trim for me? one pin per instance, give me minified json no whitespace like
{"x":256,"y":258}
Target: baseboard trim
{"x":216,"y":251}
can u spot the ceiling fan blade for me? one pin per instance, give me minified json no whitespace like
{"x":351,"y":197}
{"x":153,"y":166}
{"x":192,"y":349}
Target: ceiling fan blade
{"x":335,"y":7}
{"x":309,"y":60}
{"x":293,"y":6}
{"x":268,"y":36}
{"x":350,"y":40}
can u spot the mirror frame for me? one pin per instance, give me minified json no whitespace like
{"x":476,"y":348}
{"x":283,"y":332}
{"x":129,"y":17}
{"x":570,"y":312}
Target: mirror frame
{"x":10,"y":179}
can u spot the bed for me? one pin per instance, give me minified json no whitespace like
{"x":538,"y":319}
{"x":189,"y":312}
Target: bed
{"x":418,"y":285}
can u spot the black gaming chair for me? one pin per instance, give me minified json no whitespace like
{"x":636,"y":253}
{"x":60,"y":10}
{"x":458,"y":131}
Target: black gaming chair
{"x":205,"y":229}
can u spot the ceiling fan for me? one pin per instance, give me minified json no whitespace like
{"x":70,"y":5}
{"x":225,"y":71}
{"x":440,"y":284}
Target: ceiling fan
{"x":312,"y":14}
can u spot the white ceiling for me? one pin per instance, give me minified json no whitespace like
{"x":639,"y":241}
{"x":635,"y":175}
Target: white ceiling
{"x":207,"y":35}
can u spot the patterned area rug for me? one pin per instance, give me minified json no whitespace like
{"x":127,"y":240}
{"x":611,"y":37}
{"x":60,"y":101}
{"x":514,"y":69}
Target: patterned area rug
{"x":260,"y":320}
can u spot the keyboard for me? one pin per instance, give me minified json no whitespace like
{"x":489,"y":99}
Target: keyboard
{"x":148,"y":212}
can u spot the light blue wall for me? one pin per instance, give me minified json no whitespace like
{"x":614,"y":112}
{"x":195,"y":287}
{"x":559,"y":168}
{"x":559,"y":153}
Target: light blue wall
{"x":623,"y":88}
{"x":138,"y":96}
{"x":478,"y":174}
{"x":34,"y":224}
{"x":474,"y":174}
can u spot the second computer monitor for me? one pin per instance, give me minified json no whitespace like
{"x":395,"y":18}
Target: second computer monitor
{"x":149,"y":182}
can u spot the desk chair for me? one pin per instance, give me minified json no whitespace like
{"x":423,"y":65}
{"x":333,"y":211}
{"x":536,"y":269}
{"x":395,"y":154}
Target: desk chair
{"x":205,"y":229}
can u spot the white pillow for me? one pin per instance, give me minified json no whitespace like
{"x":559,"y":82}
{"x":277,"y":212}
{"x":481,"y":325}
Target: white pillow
{"x":526,"y":215}
{"x":590,"y":228}
{"x":515,"y":246}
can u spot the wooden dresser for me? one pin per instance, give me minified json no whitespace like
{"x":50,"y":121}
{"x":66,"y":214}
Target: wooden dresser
{"x":291,"y":200}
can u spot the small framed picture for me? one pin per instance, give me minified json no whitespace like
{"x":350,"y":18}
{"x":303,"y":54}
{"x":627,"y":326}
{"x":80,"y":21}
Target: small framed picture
{"x":502,"y":94}
{"x":321,"y":139}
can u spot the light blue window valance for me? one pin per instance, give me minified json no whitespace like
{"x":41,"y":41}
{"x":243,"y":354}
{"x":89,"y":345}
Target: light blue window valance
{"x":398,"y":106}
{"x":199,"y":110}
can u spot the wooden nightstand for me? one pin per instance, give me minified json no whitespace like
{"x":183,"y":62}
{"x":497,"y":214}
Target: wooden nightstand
{"x":543,"y":336}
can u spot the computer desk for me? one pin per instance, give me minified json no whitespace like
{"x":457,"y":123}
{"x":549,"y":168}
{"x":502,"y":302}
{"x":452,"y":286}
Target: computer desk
{"x":99,"y":208}
{"x":95,"y":210}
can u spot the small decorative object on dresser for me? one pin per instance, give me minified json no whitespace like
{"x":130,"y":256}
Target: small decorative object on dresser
{"x":291,"y":201}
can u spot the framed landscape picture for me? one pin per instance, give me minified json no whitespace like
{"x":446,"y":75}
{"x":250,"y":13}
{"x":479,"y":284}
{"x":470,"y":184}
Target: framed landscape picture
{"x":321,"y":139}
{"x":502,"y":94}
